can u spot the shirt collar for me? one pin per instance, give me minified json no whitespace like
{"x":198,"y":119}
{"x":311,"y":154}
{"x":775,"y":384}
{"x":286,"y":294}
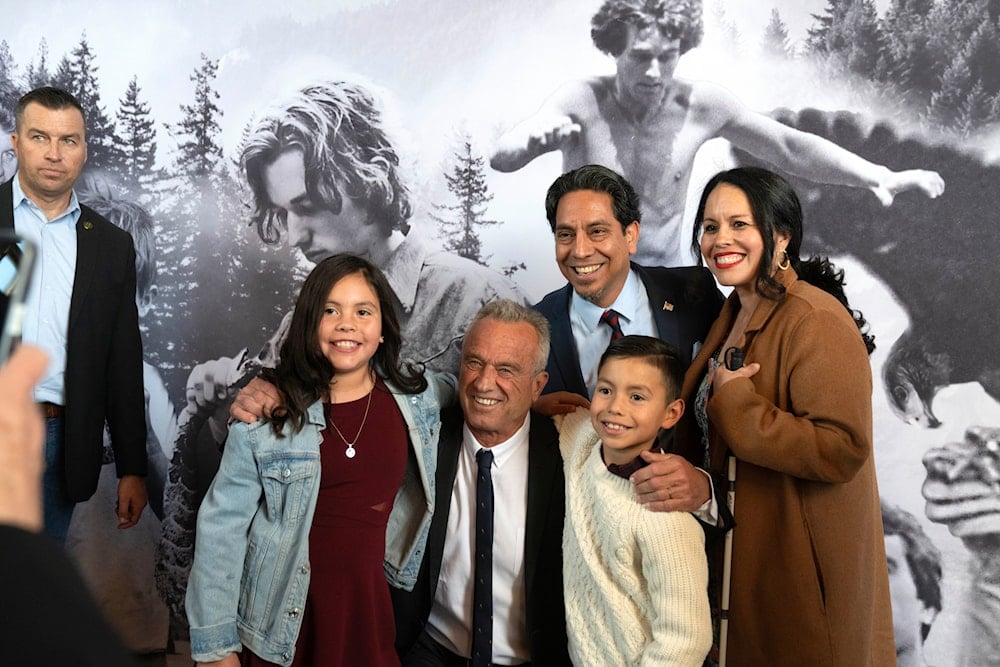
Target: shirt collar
{"x":20,"y":197}
{"x":627,"y":304}
{"x":403,"y":269}
{"x":503,"y":451}
{"x":625,"y":470}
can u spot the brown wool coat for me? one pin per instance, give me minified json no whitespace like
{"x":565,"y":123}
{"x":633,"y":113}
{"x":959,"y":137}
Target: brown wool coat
{"x":809,"y":582}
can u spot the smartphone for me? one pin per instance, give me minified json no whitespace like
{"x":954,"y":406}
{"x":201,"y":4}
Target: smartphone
{"x":17,"y":256}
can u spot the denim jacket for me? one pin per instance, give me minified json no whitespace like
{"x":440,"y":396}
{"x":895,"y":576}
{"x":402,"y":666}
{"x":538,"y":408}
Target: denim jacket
{"x":251,"y":565}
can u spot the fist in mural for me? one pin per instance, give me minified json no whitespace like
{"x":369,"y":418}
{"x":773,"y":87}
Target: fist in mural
{"x":962,"y":488}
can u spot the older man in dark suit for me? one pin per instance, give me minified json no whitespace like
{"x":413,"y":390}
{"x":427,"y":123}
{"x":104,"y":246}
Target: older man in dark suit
{"x":81,"y":310}
{"x":442,"y":620}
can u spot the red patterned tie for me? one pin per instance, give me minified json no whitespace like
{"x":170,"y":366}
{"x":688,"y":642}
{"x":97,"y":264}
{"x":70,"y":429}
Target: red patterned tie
{"x":610,"y":317}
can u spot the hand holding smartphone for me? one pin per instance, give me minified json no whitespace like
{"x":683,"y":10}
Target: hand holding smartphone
{"x":17,"y":256}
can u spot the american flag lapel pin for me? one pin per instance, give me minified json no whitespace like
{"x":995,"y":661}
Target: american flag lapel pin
{"x":669,"y":307}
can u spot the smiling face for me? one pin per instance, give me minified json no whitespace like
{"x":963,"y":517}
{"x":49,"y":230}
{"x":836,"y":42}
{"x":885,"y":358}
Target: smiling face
{"x":497,"y":380}
{"x":50,"y":150}
{"x":592,"y":249}
{"x":630,"y":405}
{"x":350,"y":328}
{"x":313,"y":227}
{"x":731,"y":241}
{"x":645,"y":69}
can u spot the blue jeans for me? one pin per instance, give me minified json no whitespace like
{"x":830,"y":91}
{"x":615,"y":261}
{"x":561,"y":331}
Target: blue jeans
{"x":58,"y":508}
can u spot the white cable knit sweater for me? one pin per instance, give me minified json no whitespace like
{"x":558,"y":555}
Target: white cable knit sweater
{"x":635,"y":580}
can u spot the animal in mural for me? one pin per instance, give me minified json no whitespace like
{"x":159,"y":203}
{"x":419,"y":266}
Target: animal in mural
{"x":937,"y":256}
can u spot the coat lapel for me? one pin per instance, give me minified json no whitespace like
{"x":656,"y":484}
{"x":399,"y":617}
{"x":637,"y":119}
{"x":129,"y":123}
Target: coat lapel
{"x":7,"y":205}
{"x":88,"y":252}
{"x":544,"y":466}
{"x":566,"y":357}
{"x":449,"y":444}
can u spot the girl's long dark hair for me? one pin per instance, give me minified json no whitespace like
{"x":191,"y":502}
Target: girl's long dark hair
{"x":776,"y":208}
{"x":303,"y":373}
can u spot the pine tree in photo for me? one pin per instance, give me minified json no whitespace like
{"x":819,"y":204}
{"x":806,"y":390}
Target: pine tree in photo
{"x":198,"y":151}
{"x":460,"y":222}
{"x":775,"y":43}
{"x":849,"y":32}
{"x":137,"y":146}
{"x":63,"y":76}
{"x":823,"y":35}
{"x":102,"y":144}
{"x":732,"y":40}
{"x":37,"y":74}
{"x":907,"y":60}
{"x":10,"y":91}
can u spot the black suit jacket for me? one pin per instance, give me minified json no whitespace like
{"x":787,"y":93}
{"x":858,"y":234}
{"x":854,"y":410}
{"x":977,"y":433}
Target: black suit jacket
{"x":545,"y":612}
{"x":103,"y":353}
{"x":684,"y":301}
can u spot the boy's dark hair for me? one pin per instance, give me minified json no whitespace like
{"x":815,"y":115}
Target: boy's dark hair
{"x":653,"y":351}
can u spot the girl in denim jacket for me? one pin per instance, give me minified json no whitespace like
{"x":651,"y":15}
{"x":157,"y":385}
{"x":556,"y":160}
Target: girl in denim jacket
{"x":312,"y":510}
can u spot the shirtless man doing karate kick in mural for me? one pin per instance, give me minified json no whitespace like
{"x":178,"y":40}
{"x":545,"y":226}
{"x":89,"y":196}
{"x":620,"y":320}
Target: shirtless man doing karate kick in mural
{"x":647,"y":125}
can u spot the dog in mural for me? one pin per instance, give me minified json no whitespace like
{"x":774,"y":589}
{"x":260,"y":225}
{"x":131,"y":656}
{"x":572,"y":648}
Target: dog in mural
{"x":935,"y":255}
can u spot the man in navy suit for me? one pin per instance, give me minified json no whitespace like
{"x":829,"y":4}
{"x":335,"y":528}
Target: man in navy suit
{"x":81,"y":310}
{"x":594,"y":215}
{"x":501,"y":374}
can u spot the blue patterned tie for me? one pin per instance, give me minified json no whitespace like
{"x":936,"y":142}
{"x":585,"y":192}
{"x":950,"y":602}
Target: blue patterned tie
{"x":610,"y":317}
{"x":482,"y":589}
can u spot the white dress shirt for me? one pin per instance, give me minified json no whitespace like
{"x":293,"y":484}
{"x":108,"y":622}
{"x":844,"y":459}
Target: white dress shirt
{"x":450,"y":621}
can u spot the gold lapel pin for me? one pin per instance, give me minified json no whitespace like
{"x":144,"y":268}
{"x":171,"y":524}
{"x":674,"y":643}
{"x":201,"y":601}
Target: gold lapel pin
{"x":668,"y":306}
{"x":87,"y":224}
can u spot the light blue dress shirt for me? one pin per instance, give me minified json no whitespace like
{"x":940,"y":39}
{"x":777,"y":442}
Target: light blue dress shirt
{"x":592,"y":337}
{"x":46,"y":314}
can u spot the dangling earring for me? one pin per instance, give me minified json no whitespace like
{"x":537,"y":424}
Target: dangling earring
{"x":786,"y":263}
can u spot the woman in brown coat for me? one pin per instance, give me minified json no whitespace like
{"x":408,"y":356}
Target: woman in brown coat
{"x":809,"y":579}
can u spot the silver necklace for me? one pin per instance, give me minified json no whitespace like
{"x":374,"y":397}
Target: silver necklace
{"x":350,"y":452}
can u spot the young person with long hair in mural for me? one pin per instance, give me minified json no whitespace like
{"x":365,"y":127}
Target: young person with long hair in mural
{"x":807,"y":549}
{"x":322,"y":502}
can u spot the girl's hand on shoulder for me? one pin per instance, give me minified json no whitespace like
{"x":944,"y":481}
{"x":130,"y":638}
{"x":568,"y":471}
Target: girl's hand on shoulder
{"x":722,"y":375}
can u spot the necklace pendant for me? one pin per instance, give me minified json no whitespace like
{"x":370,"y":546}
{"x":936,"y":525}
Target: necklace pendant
{"x":350,"y":450}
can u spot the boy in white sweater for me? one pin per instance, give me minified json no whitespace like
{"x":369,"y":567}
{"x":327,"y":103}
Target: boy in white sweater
{"x":635,"y":581}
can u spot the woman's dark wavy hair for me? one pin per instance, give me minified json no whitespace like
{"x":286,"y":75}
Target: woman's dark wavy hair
{"x":776,"y":208}
{"x":303,"y":373}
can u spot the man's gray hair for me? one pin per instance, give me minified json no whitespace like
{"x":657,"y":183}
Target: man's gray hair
{"x":512,"y":312}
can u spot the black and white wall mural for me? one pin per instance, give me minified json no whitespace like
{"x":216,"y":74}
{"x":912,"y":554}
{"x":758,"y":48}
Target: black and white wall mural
{"x":457,"y":115}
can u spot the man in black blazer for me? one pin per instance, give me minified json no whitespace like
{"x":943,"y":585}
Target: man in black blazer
{"x":82,"y":311}
{"x":594,"y":215}
{"x":501,"y":374}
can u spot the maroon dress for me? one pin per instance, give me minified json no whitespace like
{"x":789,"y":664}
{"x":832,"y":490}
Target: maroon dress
{"x":348,"y":614}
